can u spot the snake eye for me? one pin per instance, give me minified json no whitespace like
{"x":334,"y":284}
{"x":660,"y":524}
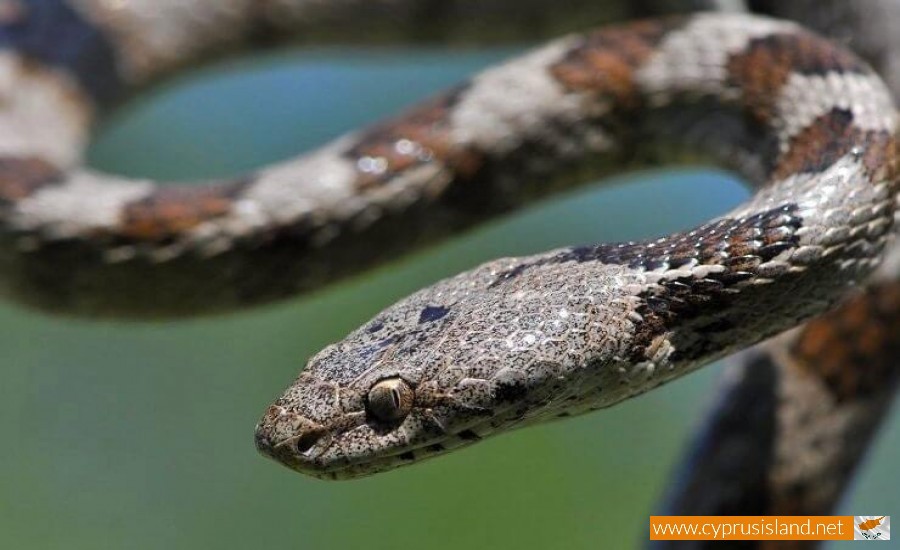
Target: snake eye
{"x":390,"y":400}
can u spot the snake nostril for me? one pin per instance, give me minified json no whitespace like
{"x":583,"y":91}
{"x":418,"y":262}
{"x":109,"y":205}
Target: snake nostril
{"x":307,"y":439}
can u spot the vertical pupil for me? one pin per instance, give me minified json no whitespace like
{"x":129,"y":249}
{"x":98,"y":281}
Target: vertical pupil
{"x":395,"y":395}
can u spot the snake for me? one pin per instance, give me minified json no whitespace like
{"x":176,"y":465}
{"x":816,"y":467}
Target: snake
{"x":508,"y":344}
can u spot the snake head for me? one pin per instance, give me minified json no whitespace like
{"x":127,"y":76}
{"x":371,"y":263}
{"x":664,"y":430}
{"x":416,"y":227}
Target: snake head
{"x":392,"y":392}
{"x":442,"y":369}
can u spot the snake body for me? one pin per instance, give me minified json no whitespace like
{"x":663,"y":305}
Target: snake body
{"x":510,"y":343}
{"x":522,"y":340}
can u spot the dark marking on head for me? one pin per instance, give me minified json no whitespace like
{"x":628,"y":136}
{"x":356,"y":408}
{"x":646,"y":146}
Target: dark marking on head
{"x":171,"y":211}
{"x":365,"y":353}
{"x":605,"y":61}
{"x":421,"y":135}
{"x":22,"y":177}
{"x":763,"y":68}
{"x":52,"y":33}
{"x":433,"y":313}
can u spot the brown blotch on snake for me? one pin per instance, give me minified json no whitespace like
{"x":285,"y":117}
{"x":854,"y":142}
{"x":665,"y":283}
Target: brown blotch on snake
{"x":830,"y":137}
{"x":21,"y":177}
{"x":604,"y":61}
{"x":172,"y":211}
{"x":420,"y":136}
{"x":768,"y":62}
{"x":865,"y":333}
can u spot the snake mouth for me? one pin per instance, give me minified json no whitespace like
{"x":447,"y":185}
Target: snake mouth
{"x":312,"y":449}
{"x":353,"y":469}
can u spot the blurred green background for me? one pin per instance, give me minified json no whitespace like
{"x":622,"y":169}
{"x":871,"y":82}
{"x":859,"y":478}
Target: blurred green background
{"x":118,"y":435}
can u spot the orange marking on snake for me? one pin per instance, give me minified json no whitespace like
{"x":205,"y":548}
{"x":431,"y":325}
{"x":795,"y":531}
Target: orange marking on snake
{"x":172,"y":211}
{"x":420,"y":136}
{"x":767,"y":63}
{"x":605,"y":62}
{"x":830,"y":137}
{"x":853,"y":349}
{"x":21,"y":177}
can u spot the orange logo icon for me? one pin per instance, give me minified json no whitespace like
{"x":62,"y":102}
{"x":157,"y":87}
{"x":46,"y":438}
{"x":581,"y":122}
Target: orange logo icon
{"x":870,"y":523}
{"x":872,"y":528}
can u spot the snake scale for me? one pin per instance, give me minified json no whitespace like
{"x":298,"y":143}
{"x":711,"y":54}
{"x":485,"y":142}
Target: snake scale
{"x":513,"y":342}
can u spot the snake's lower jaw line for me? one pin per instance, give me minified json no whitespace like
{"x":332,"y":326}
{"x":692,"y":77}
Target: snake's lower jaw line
{"x":287,"y":453}
{"x":313,"y":449}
